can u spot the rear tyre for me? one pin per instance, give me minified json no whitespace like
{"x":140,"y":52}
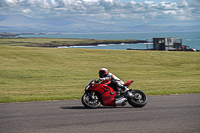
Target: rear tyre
{"x":138,"y":100}
{"x":90,"y":100}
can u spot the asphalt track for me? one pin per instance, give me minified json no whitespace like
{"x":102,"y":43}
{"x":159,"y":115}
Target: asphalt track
{"x":162,"y":114}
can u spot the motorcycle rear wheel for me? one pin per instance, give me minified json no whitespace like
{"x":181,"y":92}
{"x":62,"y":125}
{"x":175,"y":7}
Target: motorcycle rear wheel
{"x":138,"y":100}
{"x":90,"y":101}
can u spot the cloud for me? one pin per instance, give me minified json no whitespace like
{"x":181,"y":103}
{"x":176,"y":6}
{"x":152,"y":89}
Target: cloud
{"x":103,"y":10}
{"x":26,"y":10}
{"x":183,"y":4}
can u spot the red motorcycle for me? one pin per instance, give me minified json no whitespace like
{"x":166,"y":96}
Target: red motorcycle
{"x":97,"y":93}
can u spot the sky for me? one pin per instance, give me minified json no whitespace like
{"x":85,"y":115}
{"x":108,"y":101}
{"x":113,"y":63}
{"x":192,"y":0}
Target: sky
{"x":118,"y":12}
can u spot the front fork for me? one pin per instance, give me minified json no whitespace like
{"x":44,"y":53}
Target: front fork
{"x":92,"y":95}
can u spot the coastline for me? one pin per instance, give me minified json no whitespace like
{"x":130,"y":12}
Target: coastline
{"x":57,"y":42}
{"x":99,"y":43}
{"x":188,"y":38}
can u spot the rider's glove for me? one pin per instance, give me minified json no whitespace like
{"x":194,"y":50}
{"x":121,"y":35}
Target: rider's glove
{"x":101,"y":79}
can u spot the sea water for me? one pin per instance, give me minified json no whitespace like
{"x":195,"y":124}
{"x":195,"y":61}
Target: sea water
{"x":191,"y":39}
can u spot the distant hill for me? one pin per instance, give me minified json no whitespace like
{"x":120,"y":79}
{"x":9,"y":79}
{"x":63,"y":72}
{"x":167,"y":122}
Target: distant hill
{"x":6,"y":34}
{"x":23,"y":24}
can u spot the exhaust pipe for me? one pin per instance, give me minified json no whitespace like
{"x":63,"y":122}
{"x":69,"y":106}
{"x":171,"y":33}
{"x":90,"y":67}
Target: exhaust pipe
{"x":121,"y":102}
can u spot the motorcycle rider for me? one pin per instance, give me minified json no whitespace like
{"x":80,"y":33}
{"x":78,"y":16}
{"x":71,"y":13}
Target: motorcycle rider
{"x":115,"y":82}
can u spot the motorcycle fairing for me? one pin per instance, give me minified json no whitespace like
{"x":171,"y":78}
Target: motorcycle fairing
{"x":107,"y":93}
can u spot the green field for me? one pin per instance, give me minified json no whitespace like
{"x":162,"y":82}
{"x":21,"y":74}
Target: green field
{"x":37,"y":74}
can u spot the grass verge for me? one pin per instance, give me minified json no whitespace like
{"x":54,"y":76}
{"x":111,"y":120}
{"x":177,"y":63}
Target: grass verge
{"x":37,"y":74}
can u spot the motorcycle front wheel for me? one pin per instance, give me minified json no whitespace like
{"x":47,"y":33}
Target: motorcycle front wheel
{"x":138,"y":100}
{"x":90,"y":100}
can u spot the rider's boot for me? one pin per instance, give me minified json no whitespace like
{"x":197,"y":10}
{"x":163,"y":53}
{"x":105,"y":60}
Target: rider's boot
{"x":127,"y":92}
{"x":125,"y":89}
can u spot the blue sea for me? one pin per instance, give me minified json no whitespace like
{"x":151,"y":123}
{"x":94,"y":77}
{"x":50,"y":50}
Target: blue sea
{"x":191,"y":39}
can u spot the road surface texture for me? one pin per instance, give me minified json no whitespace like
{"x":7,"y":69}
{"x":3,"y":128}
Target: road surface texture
{"x":162,"y":114}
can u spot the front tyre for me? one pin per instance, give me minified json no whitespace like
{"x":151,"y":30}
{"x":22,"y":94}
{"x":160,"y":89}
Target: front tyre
{"x":90,"y":100}
{"x":138,"y":100}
